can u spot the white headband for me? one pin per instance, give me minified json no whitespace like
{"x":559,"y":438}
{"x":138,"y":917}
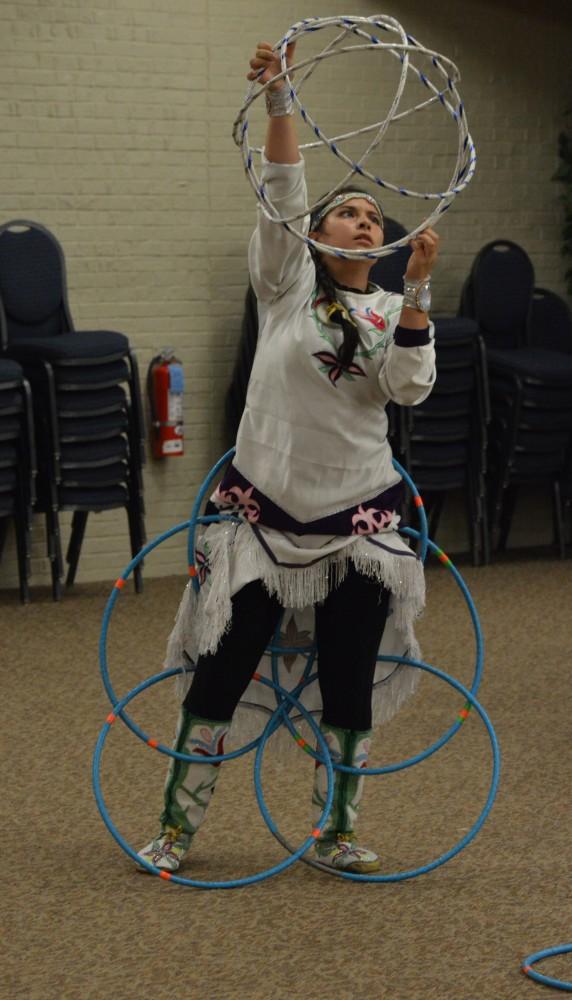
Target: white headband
{"x":339,"y":200}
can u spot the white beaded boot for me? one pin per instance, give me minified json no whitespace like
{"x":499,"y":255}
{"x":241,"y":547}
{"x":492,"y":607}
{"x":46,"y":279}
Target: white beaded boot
{"x":188,"y":790}
{"x":336,"y":846}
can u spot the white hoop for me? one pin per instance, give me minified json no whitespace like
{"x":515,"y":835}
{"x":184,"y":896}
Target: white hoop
{"x":449,"y":97}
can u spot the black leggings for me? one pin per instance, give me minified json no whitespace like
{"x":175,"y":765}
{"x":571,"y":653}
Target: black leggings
{"x":349,"y":627}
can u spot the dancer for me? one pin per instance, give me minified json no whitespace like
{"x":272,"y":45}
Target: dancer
{"x":315,"y":489}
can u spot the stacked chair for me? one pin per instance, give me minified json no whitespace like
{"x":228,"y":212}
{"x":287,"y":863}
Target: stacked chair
{"x":17,"y":465}
{"x":442,"y":442}
{"x":528,"y":338}
{"x":551,"y":327}
{"x":86,"y":397}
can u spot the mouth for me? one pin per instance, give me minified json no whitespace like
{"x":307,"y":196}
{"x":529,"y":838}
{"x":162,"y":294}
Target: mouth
{"x":362,"y":238}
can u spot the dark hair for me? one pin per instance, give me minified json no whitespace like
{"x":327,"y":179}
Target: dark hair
{"x":338,"y":315}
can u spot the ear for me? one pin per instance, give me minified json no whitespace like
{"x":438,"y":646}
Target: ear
{"x":315,"y":234}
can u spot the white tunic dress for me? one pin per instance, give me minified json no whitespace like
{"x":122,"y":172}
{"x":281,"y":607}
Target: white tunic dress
{"x":312,"y":479}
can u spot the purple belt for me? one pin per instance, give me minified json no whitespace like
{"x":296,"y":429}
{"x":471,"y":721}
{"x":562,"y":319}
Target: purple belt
{"x":238,"y":496}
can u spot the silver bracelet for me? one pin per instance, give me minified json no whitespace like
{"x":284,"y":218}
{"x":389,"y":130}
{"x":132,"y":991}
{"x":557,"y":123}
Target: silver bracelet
{"x":279,"y":102}
{"x":417,"y":294}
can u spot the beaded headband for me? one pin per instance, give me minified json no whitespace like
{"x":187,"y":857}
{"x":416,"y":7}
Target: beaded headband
{"x":339,"y":200}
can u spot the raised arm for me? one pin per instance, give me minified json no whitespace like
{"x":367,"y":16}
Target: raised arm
{"x":276,"y":258}
{"x":419,"y":267}
{"x":281,"y":145}
{"x":408,"y":372}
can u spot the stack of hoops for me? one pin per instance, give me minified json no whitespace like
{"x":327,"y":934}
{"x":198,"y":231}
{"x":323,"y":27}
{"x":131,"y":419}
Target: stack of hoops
{"x":367,"y":34}
{"x":285,"y":702}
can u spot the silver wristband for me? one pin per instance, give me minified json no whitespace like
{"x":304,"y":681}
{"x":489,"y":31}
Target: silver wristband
{"x":417,"y":294}
{"x":279,"y":102}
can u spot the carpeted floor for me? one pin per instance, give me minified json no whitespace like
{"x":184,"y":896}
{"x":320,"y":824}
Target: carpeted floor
{"x":83,"y":924}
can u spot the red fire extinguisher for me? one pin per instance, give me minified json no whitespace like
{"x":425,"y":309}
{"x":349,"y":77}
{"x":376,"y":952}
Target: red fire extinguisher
{"x":165,"y":386}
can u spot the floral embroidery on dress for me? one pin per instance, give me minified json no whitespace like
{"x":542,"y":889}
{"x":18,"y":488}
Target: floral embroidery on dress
{"x":239,"y":501}
{"x":371,"y":520}
{"x":369,"y":314}
{"x":380,"y":330}
{"x":291,"y":638}
{"x":202,"y":561}
{"x":377,"y":326}
{"x":335,"y":369}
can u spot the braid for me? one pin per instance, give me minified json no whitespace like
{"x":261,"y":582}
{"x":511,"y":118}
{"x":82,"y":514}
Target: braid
{"x":337,"y":312}
{"x":340,"y":315}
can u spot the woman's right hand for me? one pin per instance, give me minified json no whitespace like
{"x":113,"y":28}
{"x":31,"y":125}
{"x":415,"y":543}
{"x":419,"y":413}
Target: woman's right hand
{"x":269,"y":60}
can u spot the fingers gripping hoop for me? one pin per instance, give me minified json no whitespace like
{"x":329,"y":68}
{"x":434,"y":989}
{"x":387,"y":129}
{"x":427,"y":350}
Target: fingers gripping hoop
{"x":404,"y":47}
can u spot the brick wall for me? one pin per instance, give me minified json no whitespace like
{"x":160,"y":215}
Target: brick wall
{"x":115,"y":123}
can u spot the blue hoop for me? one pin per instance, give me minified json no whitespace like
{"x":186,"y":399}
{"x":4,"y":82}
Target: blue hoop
{"x":276,"y":650}
{"x":559,"y":984}
{"x":464,"y":842}
{"x":268,"y":730}
{"x":272,"y":649}
{"x":285,"y":701}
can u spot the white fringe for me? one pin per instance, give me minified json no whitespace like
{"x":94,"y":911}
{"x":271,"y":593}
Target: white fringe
{"x":203,"y":619}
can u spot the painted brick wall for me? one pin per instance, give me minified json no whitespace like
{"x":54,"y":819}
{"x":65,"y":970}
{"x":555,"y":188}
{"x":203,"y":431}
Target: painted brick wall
{"x":115,"y":122}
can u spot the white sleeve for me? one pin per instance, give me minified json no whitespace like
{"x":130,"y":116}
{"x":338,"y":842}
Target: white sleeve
{"x":276,"y":258}
{"x":408,"y":373}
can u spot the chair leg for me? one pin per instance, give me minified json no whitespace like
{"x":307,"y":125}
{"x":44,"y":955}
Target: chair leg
{"x":508,"y":504}
{"x":485,"y":531}
{"x":79,"y":522}
{"x":22,"y":549}
{"x":136,"y":538}
{"x":4,"y":522}
{"x":558,"y":519}
{"x":436,"y":509}
{"x":54,"y":551}
{"x":473,"y":509}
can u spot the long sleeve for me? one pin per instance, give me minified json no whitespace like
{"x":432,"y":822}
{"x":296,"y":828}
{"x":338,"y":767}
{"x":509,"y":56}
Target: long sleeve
{"x":408,"y":371}
{"x":276,"y":258}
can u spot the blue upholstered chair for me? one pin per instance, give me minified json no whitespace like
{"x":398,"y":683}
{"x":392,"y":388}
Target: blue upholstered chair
{"x":85,"y":386}
{"x":528,"y":338}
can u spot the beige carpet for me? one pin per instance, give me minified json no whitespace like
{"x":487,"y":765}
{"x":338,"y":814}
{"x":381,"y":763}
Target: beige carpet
{"x":82,"y":923}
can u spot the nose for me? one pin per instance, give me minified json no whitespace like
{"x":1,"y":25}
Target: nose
{"x":365,"y":222}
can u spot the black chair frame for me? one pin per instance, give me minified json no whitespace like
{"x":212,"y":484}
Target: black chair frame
{"x":46,"y":377}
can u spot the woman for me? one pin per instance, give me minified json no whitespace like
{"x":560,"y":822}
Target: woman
{"x":314,"y":486}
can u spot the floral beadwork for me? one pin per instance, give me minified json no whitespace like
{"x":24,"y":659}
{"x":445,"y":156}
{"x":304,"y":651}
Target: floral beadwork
{"x":369,"y":521}
{"x":170,"y":846}
{"x":239,"y":501}
{"x":209,"y":742}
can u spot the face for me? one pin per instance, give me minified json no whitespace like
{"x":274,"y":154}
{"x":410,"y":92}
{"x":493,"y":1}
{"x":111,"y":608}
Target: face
{"x":355,"y":225}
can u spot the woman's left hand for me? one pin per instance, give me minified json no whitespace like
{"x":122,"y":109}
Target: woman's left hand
{"x":425,"y":248}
